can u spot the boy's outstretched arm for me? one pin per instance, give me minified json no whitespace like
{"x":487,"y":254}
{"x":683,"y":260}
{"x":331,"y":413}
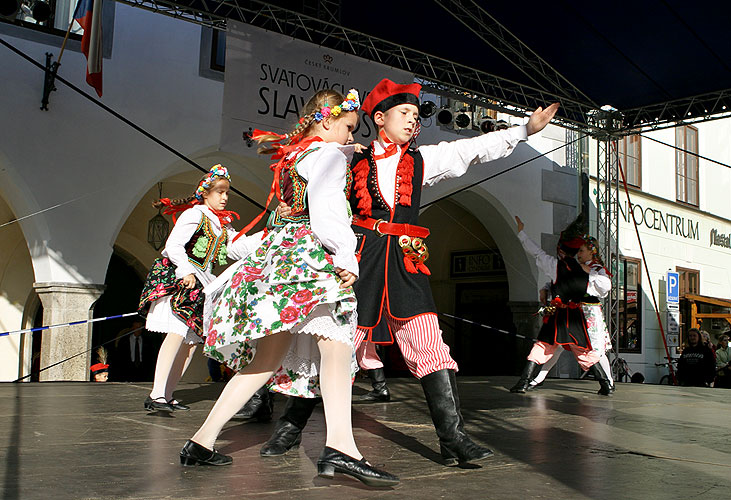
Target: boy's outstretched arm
{"x":540,"y":118}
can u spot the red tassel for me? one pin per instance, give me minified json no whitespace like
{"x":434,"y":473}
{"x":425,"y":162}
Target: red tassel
{"x":422,"y":267}
{"x":410,"y":265}
{"x":360,"y":177}
{"x":405,"y":171}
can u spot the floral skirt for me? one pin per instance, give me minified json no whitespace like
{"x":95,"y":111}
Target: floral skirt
{"x":287,"y":285}
{"x":596,"y":328}
{"x":186,"y":304}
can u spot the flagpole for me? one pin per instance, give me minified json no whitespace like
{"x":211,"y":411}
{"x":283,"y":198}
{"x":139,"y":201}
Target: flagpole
{"x":49,"y":81}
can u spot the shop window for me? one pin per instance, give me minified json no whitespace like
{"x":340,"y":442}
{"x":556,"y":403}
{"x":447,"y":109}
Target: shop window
{"x":630,"y":157}
{"x":686,"y":164}
{"x":630,"y":307}
{"x":689,"y":281}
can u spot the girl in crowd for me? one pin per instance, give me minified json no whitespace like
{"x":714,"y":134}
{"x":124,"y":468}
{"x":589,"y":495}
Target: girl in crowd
{"x":574,"y":319}
{"x":172,"y":297}
{"x":286,"y":315}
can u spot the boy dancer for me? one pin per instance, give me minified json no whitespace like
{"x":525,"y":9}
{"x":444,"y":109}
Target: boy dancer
{"x":385,"y":197}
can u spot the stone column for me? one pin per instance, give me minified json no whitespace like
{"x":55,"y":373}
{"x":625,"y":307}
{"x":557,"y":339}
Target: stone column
{"x":64,"y":303}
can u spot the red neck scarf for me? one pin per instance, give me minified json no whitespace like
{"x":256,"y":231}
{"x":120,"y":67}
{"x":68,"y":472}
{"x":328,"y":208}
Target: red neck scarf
{"x":389,"y":147}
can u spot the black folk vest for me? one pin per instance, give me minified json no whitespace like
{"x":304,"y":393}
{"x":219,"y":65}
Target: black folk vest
{"x":568,"y":325}
{"x":384,"y":283}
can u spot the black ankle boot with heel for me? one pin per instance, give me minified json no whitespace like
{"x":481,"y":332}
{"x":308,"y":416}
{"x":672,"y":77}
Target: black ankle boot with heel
{"x":287,"y":433}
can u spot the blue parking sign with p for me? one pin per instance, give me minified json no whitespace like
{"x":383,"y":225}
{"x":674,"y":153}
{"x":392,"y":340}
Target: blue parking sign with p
{"x":673,"y":280}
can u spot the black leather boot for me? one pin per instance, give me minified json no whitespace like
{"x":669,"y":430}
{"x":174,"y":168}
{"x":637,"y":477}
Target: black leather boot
{"x":606,"y":387}
{"x":287,"y":433}
{"x":380,"y":392}
{"x":260,"y":407}
{"x":440,"y":389}
{"x":529,"y":371}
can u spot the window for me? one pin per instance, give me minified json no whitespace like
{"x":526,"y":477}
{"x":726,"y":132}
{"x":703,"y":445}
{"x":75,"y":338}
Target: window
{"x":218,"y":50}
{"x":56,"y":21}
{"x":630,"y":157}
{"x":577,"y":150}
{"x":689,"y":280}
{"x":686,"y":164}
{"x":630,"y":306}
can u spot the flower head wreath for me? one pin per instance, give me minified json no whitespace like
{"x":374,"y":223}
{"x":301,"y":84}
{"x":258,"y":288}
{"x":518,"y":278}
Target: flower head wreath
{"x":217,"y":172}
{"x":351,"y":103}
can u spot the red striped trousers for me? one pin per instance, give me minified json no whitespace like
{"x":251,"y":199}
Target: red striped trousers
{"x":420,"y":342}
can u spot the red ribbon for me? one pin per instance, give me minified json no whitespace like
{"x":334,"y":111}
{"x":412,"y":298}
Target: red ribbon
{"x":282,"y":153}
{"x":224,"y":216}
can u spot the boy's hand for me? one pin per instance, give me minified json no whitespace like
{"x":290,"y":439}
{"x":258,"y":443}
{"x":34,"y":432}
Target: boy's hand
{"x":359,"y":148}
{"x":347,"y":277}
{"x":540,"y":118}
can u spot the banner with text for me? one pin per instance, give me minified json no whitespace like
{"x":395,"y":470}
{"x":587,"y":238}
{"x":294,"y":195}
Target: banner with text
{"x":269,"y":77}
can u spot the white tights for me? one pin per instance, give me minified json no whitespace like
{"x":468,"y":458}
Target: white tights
{"x":335,"y":385}
{"x":172,"y":361}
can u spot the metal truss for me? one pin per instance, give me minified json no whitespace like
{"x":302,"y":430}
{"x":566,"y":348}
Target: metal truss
{"x":701,"y":108}
{"x":505,"y":43}
{"x":607,"y":216}
{"x":444,"y":74}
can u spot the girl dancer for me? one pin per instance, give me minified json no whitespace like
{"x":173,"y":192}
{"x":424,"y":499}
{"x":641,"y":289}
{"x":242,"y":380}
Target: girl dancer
{"x":285,"y":316}
{"x":574,"y":319}
{"x":172,"y":298}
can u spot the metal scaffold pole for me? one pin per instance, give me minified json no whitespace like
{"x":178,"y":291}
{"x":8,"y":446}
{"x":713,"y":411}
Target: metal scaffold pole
{"x":607,"y":123}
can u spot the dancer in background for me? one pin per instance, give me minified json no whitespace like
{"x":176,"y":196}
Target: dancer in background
{"x":286,"y":315}
{"x":172,"y":297}
{"x":574,"y":317}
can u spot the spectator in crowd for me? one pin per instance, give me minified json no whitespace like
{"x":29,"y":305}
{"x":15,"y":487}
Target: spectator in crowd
{"x":696,"y":366}
{"x":135,"y":354}
{"x":723,"y":356}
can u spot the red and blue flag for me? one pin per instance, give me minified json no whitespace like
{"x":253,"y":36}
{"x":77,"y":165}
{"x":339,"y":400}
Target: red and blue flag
{"x":88,"y":14}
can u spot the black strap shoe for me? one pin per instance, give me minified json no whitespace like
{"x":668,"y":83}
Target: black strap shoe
{"x":195,"y":454}
{"x":332,"y":461}
{"x":178,"y":406}
{"x":158,"y":404}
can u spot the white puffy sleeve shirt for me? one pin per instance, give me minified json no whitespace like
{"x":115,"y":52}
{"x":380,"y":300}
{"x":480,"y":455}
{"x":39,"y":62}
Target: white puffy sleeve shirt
{"x":449,"y":159}
{"x":599,"y":281}
{"x":325,"y":172}
{"x":181,"y":234}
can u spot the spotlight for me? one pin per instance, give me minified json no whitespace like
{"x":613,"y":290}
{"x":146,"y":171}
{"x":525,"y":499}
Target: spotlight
{"x":487,"y":126}
{"x":427,"y":109}
{"x":462,"y":120}
{"x":444,"y":117}
{"x":9,"y":8}
{"x":40,"y":11}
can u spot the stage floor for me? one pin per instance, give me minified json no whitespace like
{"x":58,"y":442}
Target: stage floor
{"x":563,"y":441}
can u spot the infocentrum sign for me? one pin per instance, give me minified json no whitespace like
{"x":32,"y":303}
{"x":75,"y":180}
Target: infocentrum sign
{"x":662,"y":221}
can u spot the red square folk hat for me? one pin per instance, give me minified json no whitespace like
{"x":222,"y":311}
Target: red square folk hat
{"x":388,"y":94}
